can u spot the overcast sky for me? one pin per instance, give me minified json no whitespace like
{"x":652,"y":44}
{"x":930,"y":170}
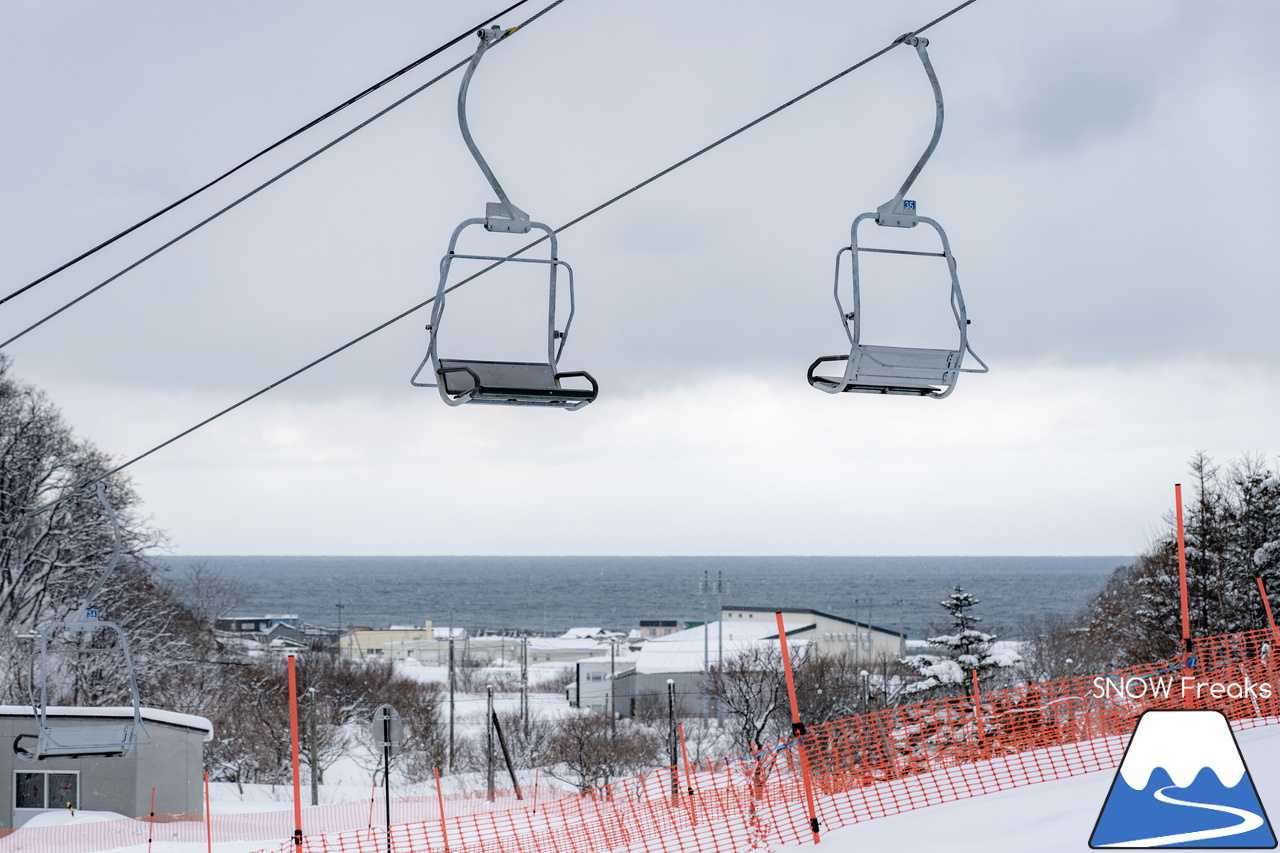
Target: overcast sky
{"x":1107,"y":177}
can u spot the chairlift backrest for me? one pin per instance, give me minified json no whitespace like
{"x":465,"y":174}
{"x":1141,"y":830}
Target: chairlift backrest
{"x":495,"y":382}
{"x":910,"y":371}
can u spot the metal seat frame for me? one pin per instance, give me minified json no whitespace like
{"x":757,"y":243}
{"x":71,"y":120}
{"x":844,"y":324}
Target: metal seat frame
{"x":503,"y":383}
{"x":90,"y":739}
{"x":910,"y":371}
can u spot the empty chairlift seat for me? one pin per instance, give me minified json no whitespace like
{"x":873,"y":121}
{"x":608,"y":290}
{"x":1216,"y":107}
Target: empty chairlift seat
{"x":877,"y":369}
{"x":505,"y":383}
{"x":513,"y":383}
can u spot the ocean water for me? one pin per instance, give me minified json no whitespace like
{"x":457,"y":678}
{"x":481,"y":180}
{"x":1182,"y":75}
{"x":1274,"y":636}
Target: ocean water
{"x":553,"y":594}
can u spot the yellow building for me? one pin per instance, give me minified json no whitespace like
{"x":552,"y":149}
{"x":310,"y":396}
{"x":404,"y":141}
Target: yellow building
{"x":361,"y":643}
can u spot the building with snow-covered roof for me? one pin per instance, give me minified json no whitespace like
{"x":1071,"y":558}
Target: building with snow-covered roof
{"x":594,"y":677}
{"x":833,"y":635}
{"x":362,"y":643}
{"x":650,"y":628}
{"x":264,"y":631}
{"x":640,"y":679}
{"x":172,"y":763}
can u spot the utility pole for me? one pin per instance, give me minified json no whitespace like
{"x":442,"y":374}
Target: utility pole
{"x":613,"y":712}
{"x":705,"y":591}
{"x":721,"y":588}
{"x":524,"y":685}
{"x":313,"y":749}
{"x":488,"y":752}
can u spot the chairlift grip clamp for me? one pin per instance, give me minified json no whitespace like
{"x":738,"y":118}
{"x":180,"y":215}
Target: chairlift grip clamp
{"x":911,"y":40}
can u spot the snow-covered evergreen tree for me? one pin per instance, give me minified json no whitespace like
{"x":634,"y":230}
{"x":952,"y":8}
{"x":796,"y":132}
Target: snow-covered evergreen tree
{"x":1232,"y":536}
{"x":961,"y":652}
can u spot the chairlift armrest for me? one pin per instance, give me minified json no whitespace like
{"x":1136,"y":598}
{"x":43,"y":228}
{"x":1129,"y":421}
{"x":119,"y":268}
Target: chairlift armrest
{"x":822,"y":360}
{"x":595,"y":388}
{"x":461,"y":368}
{"x":23,"y":754}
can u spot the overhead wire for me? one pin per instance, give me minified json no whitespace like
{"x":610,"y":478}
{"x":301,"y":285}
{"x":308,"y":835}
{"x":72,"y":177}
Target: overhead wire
{"x":273,"y":146}
{"x":313,"y":155}
{"x":400,"y":316}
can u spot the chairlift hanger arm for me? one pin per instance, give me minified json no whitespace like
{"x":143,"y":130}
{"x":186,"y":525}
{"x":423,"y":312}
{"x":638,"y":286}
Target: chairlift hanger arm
{"x":115,"y":549}
{"x":518,"y":220}
{"x":894,"y":212}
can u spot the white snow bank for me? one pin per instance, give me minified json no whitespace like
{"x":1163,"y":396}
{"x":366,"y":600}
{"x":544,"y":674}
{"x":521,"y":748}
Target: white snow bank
{"x":64,"y":817}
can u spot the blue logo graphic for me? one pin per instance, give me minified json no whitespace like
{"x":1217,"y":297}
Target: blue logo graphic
{"x":1183,"y":783}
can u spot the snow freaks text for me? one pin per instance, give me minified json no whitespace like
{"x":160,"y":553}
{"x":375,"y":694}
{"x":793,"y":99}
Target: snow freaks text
{"x":1162,"y":687}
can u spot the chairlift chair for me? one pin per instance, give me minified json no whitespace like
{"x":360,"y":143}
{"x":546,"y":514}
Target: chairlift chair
{"x":84,"y":740}
{"x":910,"y":371}
{"x":504,"y":383}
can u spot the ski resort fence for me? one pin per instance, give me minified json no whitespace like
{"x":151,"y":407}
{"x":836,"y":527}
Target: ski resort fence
{"x":869,"y":766}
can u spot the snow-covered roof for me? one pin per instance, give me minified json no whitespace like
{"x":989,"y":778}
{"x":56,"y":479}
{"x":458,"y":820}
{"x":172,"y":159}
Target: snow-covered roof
{"x":618,"y":660}
{"x":152,"y":715}
{"x":565,"y":644}
{"x":580,"y":633}
{"x":683,"y":650}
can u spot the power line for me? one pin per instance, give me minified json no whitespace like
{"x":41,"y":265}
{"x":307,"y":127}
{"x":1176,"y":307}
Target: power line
{"x":313,"y":155}
{"x":273,"y":146}
{"x":398,"y":317}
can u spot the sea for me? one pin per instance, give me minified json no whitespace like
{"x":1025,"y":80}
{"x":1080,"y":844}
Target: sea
{"x":550,"y":595}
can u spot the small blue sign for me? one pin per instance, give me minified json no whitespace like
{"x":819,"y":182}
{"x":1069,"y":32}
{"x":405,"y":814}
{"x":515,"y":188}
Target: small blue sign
{"x":908,"y":204}
{"x":91,"y":614}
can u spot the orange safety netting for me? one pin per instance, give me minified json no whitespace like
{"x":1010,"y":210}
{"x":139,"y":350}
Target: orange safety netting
{"x":877,"y":764}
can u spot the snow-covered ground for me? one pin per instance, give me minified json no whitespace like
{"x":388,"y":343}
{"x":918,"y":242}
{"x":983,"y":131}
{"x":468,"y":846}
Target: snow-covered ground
{"x":1051,"y":817}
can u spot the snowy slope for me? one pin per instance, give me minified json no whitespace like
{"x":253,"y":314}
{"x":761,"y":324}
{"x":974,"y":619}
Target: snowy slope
{"x":1052,"y":817}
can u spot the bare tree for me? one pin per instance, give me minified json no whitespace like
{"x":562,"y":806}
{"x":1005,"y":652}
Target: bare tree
{"x":751,"y":688}
{"x":586,"y":750}
{"x":207,"y":592}
{"x":49,"y":560}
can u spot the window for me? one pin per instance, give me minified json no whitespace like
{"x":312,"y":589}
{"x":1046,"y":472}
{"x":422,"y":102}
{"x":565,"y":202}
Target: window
{"x":46,"y":790}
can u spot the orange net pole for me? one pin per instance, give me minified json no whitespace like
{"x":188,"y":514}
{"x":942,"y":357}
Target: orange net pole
{"x":977,"y":712}
{"x":798,"y":728}
{"x":293,"y":736}
{"x":1266,"y":605}
{"x":151,"y":825}
{"x":444,"y":827}
{"x":688,"y":777}
{"x":1182,"y":573}
{"x":208,"y":813}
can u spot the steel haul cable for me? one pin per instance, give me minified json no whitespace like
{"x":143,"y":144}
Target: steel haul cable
{"x":398,"y":317}
{"x":263,"y":185}
{"x":273,"y":146}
